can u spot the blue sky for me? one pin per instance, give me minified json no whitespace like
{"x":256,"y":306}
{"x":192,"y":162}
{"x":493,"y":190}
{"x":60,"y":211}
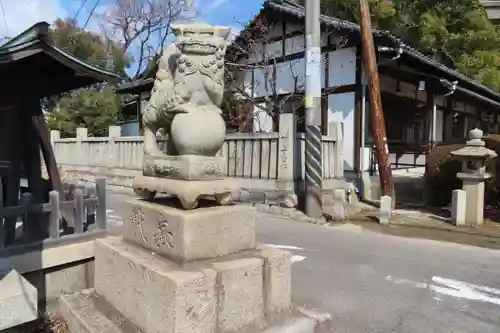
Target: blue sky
{"x":21,"y":14}
{"x":232,"y":13}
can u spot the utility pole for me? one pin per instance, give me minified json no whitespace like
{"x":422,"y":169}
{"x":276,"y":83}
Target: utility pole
{"x":377,"y":115}
{"x":313,"y":144}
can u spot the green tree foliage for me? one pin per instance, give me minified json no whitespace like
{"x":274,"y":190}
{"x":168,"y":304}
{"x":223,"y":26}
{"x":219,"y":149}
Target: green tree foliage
{"x":94,"y":107}
{"x":456,"y":33}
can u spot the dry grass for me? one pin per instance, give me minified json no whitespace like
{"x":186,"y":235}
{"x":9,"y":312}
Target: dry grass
{"x":55,"y":325}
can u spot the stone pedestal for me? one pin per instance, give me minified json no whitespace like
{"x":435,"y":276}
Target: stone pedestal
{"x":176,"y":271}
{"x":188,"y":177}
{"x":184,"y":236}
{"x":184,"y":167}
{"x":473,"y":186}
{"x":458,"y":207}
{"x":188,"y":192}
{"x":473,"y":175}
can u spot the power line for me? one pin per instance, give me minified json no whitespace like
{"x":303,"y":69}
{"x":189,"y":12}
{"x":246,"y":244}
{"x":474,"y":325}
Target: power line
{"x":4,"y":17}
{"x":91,"y":13}
{"x":84,"y":2}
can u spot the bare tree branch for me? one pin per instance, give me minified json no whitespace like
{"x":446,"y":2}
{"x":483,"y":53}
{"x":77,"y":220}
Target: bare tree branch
{"x":273,"y":87}
{"x":145,"y":25}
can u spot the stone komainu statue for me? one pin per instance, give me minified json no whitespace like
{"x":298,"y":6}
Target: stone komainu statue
{"x":187,"y":93}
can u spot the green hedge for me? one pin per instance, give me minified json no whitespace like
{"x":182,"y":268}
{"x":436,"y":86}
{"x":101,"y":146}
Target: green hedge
{"x":441,"y":172}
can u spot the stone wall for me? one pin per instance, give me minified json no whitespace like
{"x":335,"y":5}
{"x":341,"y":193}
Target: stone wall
{"x":260,"y":161}
{"x":50,"y":268}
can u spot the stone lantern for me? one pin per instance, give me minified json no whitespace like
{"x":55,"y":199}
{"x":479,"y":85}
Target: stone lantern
{"x":473,"y":175}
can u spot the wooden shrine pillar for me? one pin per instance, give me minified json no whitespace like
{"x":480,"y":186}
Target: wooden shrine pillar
{"x":13,"y":175}
{"x":25,"y":161}
{"x":32,"y":166}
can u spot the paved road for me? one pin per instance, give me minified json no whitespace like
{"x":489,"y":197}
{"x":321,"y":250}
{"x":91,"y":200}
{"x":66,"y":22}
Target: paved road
{"x":371,"y":282}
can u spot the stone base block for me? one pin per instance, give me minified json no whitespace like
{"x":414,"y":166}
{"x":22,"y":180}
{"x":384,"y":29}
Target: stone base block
{"x":190,"y":235}
{"x":18,"y":299}
{"x":151,"y":292}
{"x":277,"y":281}
{"x":184,"y":167}
{"x":87,"y":312}
{"x":241,"y":294}
{"x":247,"y":291}
{"x":188,"y":192}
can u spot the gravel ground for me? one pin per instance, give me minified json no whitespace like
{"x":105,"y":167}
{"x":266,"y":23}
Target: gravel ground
{"x":55,"y":325}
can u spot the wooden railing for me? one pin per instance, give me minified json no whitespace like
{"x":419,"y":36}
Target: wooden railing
{"x":82,"y":207}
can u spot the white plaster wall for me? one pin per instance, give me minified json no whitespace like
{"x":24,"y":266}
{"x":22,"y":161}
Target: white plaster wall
{"x":262,"y":81}
{"x":130,"y":129}
{"x":247,"y":82}
{"x":342,"y":71}
{"x":294,"y":70}
{"x":289,"y":74}
{"x":262,"y":122}
{"x":366,"y":151}
{"x":273,"y":50}
{"x":366,"y":157}
{"x":342,"y":67}
{"x":295,"y":44}
{"x":341,"y":109}
{"x":257,"y":55}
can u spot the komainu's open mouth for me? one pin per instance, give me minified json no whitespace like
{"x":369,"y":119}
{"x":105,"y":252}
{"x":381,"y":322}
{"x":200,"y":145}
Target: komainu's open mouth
{"x":198,"y":47}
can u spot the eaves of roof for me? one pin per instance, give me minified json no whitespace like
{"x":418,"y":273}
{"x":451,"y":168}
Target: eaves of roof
{"x":382,"y":38}
{"x":36,"y":37}
{"x":134,"y":86}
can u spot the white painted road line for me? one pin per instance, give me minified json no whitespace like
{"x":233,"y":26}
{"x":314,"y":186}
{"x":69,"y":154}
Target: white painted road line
{"x":455,"y":288}
{"x":295,"y":258}
{"x":284,"y":247}
{"x":455,"y":283}
{"x":298,"y":258}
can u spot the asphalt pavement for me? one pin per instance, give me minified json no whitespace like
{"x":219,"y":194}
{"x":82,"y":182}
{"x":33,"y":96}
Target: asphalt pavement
{"x":372,"y":282}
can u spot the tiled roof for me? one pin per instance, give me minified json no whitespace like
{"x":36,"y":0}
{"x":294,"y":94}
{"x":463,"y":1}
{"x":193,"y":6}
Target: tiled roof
{"x":382,"y":38}
{"x":299,"y":12}
{"x":36,"y":36}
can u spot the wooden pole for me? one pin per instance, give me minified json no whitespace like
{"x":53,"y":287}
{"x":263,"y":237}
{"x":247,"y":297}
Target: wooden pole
{"x":377,"y":115}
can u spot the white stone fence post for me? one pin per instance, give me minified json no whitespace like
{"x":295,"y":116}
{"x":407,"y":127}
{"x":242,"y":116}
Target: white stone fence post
{"x":335,"y":130}
{"x":79,"y":152}
{"x":113,"y":133}
{"x":286,"y":149}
